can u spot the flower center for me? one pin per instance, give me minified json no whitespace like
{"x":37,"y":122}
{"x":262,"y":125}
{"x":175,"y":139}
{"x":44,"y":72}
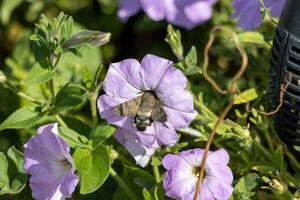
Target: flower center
{"x":196,"y":172}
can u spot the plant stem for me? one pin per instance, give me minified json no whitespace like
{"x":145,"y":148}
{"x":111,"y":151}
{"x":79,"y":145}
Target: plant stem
{"x":20,"y":93}
{"x":60,"y":120}
{"x":122,"y":184}
{"x":263,"y":150}
{"x":52,"y":92}
{"x":53,"y":67}
{"x":156,"y":173}
{"x":93,"y":99}
{"x":269,"y":140}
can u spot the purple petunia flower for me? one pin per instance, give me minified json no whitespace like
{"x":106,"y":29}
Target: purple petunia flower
{"x":249,"y":12}
{"x":141,"y":154}
{"x":182,"y":174}
{"x":190,"y":13}
{"x":187,"y":13}
{"x":147,"y":99}
{"x":48,"y":161}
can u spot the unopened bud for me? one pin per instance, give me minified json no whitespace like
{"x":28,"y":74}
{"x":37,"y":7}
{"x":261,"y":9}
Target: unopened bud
{"x":174,"y":40}
{"x":278,"y":186}
{"x":2,"y":77}
{"x":95,"y":38}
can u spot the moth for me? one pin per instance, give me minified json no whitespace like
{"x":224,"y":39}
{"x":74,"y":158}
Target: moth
{"x":145,"y":109}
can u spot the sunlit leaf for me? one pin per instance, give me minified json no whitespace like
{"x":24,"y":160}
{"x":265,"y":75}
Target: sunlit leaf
{"x":246,"y":96}
{"x":93,"y":167}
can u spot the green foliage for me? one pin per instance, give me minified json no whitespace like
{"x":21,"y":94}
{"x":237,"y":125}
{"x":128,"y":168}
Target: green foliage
{"x":101,"y":133}
{"x":93,"y":167}
{"x":13,"y":177}
{"x":22,"y":118}
{"x":37,"y":75}
{"x":246,"y":96}
{"x":70,"y":96}
{"x":243,"y":189}
{"x":174,"y":40}
{"x":252,"y":37}
{"x":6,"y":9}
{"x":55,"y":77}
{"x":72,"y":138}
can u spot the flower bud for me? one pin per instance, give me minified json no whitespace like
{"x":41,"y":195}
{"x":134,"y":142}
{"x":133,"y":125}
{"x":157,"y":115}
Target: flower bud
{"x":278,"y":186}
{"x":2,"y":77}
{"x":174,"y":40}
{"x":95,"y":38}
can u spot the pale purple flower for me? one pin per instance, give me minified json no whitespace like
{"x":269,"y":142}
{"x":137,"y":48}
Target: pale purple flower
{"x":249,"y":13}
{"x":48,"y":161}
{"x":129,"y":79}
{"x":140,"y":153}
{"x":183,"y":170}
{"x":190,"y":13}
{"x":187,"y":13}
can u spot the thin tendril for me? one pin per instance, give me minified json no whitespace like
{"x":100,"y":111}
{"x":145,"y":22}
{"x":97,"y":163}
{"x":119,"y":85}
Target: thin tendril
{"x":231,"y":91}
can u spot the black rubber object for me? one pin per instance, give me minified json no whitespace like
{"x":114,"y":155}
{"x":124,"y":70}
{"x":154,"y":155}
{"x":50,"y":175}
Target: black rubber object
{"x":286,"y":59}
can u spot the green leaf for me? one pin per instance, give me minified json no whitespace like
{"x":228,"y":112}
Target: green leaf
{"x":146,"y":194}
{"x":72,"y":138}
{"x":12,"y":174}
{"x":87,"y":80}
{"x":24,"y":117}
{"x":278,"y":158}
{"x":246,"y":96}
{"x":101,"y":133}
{"x":38,"y":75}
{"x":4,"y":180}
{"x":69,"y":97}
{"x":6,"y":8}
{"x":139,"y":176}
{"x":245,"y":185}
{"x":191,"y":59}
{"x":119,"y":194}
{"x":157,"y":191}
{"x":17,"y":157}
{"x":93,"y":167}
{"x":252,"y":37}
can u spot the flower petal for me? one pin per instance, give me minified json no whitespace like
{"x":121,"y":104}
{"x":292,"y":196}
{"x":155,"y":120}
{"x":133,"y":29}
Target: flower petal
{"x":172,"y":81}
{"x":155,"y":9}
{"x":179,"y":108}
{"x":179,"y":179}
{"x":219,"y":189}
{"x":128,"y":8}
{"x":48,"y":161}
{"x":164,"y":135}
{"x":69,"y":184}
{"x":130,"y":69}
{"x":219,"y":156}
{"x":221,"y":172}
{"x":45,"y":187}
{"x":117,"y":84}
{"x":248,"y":13}
{"x":153,"y":69}
{"x":141,"y":154}
{"x":276,"y":7}
{"x":179,"y":119}
{"x":198,"y":12}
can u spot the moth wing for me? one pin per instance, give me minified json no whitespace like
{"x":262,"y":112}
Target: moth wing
{"x":129,"y":108}
{"x":158,"y":114}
